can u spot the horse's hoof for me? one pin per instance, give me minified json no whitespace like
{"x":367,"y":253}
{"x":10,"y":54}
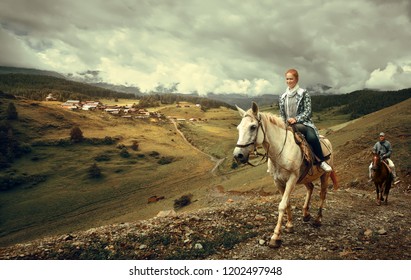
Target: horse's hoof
{"x":289,"y":229}
{"x":275,"y":243}
{"x":316,"y":224}
{"x":378,"y":202}
{"x":307,"y":218}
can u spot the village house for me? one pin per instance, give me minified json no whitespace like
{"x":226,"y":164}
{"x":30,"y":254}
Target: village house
{"x":91,"y":105}
{"x":114,"y":111}
{"x":50,"y":97}
{"x":124,"y":111}
{"x":71,"y":105}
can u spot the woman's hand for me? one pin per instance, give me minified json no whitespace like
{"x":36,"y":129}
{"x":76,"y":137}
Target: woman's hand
{"x":291,"y":121}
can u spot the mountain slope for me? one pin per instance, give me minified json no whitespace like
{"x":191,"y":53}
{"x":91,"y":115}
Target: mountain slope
{"x":29,"y":71}
{"x":236,"y":220}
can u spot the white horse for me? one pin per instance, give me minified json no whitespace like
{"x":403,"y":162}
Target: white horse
{"x":284,"y":162}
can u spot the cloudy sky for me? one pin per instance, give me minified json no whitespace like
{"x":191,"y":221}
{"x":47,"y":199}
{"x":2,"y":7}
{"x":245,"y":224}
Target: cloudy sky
{"x":215,"y":45}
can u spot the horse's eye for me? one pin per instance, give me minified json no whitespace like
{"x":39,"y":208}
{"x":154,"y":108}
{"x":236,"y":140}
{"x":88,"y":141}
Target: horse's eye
{"x":253,"y":127}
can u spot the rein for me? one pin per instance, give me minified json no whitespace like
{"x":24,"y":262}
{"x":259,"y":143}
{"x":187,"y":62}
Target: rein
{"x":265,"y":156}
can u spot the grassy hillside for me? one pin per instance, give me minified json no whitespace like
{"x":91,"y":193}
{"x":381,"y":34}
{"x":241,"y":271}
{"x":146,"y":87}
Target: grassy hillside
{"x":354,"y":141}
{"x":58,"y":196}
{"x":68,"y":199}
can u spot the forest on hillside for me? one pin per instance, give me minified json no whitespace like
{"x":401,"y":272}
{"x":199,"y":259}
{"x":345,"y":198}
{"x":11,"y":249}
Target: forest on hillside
{"x":361,"y":102}
{"x":37,"y":87}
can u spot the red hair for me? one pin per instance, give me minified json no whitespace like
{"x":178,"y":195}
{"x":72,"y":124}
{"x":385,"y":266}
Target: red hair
{"x":293,"y":72}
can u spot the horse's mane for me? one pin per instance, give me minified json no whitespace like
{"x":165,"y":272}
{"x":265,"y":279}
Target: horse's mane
{"x":269,"y":117}
{"x":276,"y":120}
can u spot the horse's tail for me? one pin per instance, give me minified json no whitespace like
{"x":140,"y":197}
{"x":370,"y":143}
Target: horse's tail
{"x":333,"y":176}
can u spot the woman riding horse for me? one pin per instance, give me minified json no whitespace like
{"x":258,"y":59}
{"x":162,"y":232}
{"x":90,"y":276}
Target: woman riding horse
{"x":286,"y":159}
{"x":295,"y":109}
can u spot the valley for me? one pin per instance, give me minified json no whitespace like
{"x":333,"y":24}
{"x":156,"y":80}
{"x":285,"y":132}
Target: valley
{"x":69,"y":201}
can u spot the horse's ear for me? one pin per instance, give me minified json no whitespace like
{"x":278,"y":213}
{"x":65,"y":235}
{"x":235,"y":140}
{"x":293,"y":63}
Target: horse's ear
{"x":241,"y":111}
{"x":255,"y":108}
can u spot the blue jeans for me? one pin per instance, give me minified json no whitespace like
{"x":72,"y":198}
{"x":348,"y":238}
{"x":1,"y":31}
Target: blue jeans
{"x":312,"y":139}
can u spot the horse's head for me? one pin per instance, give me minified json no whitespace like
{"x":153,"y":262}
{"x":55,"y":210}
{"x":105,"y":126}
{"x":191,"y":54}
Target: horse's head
{"x":376,"y":162}
{"x":249,"y":133}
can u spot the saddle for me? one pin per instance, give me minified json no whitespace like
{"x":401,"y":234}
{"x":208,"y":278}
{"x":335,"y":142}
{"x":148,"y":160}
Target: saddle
{"x":309,"y":158}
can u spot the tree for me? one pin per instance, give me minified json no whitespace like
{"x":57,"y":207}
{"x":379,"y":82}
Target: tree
{"x":94,"y":171}
{"x":11,"y":112}
{"x":76,"y":135}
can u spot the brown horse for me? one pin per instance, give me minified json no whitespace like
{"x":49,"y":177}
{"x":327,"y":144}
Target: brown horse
{"x":382,"y":178}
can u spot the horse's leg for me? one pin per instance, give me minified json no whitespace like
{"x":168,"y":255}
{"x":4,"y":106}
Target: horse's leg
{"x":289,"y":226}
{"x":306,"y":207}
{"x":377,"y":188}
{"x":323,"y":195}
{"x":387,"y":189}
{"x":275,"y":240}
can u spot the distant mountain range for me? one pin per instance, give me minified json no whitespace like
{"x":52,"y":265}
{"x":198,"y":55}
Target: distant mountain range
{"x":241,"y":100}
{"x":320,"y":92}
{"x":29,"y":71}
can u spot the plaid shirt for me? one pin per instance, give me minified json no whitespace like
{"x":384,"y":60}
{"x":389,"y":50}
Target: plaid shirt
{"x":303,"y":109}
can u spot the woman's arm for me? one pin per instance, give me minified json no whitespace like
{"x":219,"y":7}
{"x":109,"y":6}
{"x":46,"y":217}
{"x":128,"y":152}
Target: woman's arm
{"x":305,"y":114}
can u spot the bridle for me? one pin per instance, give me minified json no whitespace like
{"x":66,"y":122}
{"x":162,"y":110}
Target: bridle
{"x":254,"y":142}
{"x":376,"y":162}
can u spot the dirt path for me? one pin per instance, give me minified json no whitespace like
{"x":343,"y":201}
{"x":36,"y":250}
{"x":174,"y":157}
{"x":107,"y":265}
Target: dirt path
{"x":214,"y":159}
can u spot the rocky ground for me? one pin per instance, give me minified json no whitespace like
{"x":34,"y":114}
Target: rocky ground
{"x":354,"y":227}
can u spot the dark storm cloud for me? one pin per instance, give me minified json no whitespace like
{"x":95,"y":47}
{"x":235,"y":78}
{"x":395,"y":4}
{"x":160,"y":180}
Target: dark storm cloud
{"x":220,"y":46}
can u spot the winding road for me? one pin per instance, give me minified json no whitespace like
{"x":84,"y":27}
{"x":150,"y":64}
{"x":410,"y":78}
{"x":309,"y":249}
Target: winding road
{"x":214,"y":159}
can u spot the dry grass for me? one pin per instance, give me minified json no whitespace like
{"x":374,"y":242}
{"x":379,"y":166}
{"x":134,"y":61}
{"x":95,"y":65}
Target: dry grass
{"x":69,"y":200}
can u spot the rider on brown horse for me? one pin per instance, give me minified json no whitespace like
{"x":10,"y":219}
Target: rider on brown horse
{"x":383,"y":148}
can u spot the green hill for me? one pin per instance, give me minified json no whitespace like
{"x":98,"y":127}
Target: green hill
{"x":37,"y":87}
{"x":28,"y":71}
{"x":48,"y":188}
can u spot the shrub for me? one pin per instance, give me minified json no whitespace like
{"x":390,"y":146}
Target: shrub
{"x":102,"y":157}
{"x":11,"y":112}
{"x":108,"y":140}
{"x":100,"y":141}
{"x":25,"y":148}
{"x":154,"y":154}
{"x":124,"y":153}
{"x":134,"y":145}
{"x":121,"y":146}
{"x":165,"y":160}
{"x":76,"y":135}
{"x":182,"y":201}
{"x":94,"y":171}
{"x":9,"y":182}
